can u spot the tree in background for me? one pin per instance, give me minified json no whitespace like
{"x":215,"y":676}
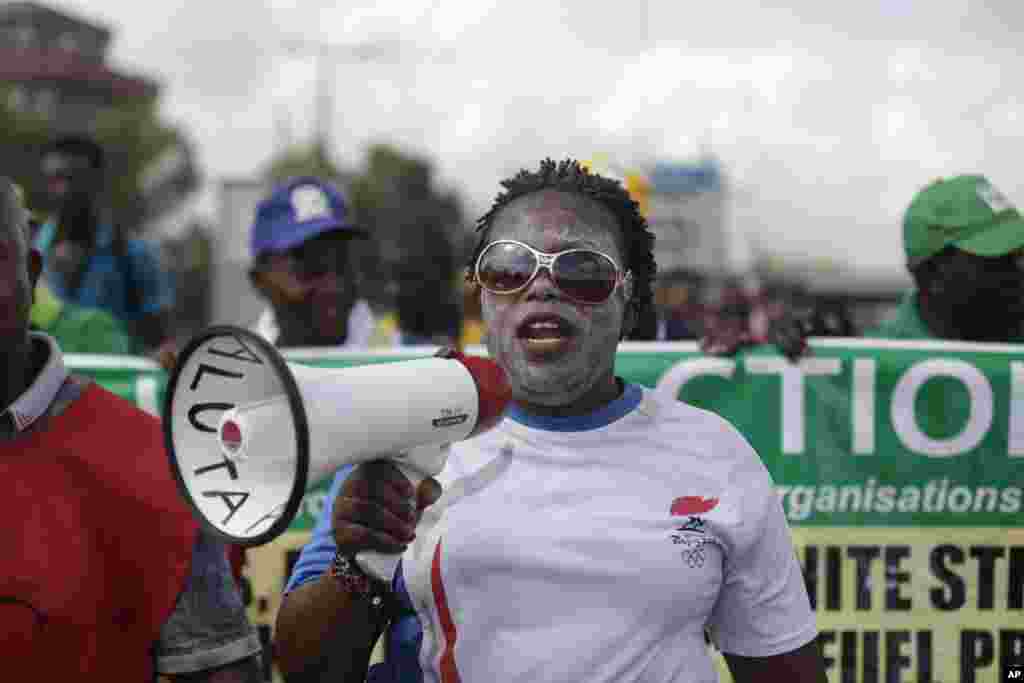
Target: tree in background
{"x":300,"y":160}
{"x":131,"y":133}
{"x":417,"y":228}
{"x":134,"y":138}
{"x":21,"y":138}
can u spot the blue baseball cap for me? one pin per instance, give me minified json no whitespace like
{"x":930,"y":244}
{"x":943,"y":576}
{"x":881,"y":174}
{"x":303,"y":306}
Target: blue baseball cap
{"x":297,"y":211}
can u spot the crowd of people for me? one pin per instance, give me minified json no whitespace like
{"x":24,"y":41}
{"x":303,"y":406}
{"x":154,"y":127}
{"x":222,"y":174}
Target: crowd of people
{"x":563,"y":271}
{"x":106,"y":291}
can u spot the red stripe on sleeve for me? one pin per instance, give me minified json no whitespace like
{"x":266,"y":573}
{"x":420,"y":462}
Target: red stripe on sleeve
{"x":449,"y":673}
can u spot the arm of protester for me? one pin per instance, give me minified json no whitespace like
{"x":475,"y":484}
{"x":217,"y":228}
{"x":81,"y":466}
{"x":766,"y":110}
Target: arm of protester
{"x":788,"y":334}
{"x":320,"y":627}
{"x":313,"y":601}
{"x":208,"y":636}
{"x":152,"y":322}
{"x":323,"y":631}
{"x":803,"y":665}
{"x":762,"y":621}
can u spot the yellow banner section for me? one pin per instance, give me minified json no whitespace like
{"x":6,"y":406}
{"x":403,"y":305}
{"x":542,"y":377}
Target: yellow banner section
{"x":915,"y":605}
{"x":894,"y":605}
{"x":267,"y":571}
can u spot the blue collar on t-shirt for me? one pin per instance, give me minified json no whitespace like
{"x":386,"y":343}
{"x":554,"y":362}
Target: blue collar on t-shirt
{"x":601,"y":417}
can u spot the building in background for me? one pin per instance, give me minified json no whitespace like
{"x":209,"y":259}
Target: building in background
{"x":55,"y":72}
{"x":233,"y":300}
{"x":687,"y":213}
{"x":56,"y":65}
{"x":706,"y":262}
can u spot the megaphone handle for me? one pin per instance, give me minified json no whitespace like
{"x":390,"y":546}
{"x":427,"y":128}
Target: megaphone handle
{"x":379,"y":565}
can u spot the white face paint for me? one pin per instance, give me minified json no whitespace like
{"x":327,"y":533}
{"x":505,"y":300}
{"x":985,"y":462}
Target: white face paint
{"x":559,"y":354}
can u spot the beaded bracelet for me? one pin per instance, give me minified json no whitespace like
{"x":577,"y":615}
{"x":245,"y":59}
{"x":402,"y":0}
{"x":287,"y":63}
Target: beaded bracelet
{"x":355,"y":581}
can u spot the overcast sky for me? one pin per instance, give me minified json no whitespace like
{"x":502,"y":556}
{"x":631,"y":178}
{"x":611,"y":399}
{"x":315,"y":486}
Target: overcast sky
{"x":828,"y":116}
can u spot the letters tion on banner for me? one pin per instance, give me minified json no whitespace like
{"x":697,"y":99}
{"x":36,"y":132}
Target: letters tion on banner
{"x":898,"y":464}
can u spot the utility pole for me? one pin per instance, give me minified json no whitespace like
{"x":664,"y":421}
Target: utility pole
{"x":282,"y":129}
{"x":327,"y":56}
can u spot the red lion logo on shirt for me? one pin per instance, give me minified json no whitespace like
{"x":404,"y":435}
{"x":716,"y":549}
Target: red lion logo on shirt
{"x":692,"y":505}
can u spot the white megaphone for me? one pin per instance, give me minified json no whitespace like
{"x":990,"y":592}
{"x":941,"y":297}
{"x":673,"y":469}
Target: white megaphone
{"x":248,"y":433}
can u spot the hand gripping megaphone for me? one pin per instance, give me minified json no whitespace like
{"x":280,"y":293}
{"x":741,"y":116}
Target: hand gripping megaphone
{"x":247,"y":433}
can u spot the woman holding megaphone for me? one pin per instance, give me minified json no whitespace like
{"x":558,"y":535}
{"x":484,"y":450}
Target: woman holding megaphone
{"x":597,"y":533}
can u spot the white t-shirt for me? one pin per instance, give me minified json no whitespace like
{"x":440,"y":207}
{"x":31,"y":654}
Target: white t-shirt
{"x":599,"y":548}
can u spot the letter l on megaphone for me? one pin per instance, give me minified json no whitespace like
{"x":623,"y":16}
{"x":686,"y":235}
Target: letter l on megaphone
{"x":248,"y":433}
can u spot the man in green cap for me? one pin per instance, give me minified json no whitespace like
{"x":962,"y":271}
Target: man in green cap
{"x":964,"y":243}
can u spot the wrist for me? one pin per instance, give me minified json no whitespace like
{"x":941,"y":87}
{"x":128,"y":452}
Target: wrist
{"x":345,"y":571}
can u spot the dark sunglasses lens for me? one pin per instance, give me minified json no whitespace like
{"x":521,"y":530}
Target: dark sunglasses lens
{"x":505,"y":267}
{"x":586,"y":276}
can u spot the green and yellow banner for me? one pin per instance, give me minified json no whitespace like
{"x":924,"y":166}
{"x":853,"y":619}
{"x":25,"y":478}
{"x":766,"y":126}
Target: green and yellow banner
{"x":900,"y":467}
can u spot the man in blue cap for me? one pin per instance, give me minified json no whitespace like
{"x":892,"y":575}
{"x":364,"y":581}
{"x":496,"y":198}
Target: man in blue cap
{"x":301,"y":265}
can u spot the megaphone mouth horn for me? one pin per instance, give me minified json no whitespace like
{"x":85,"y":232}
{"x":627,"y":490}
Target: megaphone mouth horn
{"x":248,"y":434}
{"x":218,"y":370}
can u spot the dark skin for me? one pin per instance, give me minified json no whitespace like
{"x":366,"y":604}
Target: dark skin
{"x":74,"y":185}
{"x":322,"y":632}
{"x":972,"y":298}
{"x":20,"y":358}
{"x":19,"y":272}
{"x":311,"y":288}
{"x":576,"y":377}
{"x":789,"y":334}
{"x":319,"y":626}
{"x":21,"y":361}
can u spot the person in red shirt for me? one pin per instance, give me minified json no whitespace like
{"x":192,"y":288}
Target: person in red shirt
{"x":105,"y":575}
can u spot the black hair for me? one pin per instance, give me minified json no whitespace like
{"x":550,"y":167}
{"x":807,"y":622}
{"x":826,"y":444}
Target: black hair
{"x":569,"y":176}
{"x":78,"y":145}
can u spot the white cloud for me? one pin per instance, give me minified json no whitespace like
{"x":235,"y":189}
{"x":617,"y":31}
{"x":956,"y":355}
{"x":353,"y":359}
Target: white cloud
{"x":828,"y":115}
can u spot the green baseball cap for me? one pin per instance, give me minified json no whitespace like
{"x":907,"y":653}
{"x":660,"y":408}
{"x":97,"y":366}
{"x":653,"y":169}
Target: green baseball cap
{"x":965,"y":211}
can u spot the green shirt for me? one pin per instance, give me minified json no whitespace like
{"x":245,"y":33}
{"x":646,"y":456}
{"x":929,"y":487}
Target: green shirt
{"x":78,"y":329}
{"x":88,"y":330}
{"x":906,"y":324}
